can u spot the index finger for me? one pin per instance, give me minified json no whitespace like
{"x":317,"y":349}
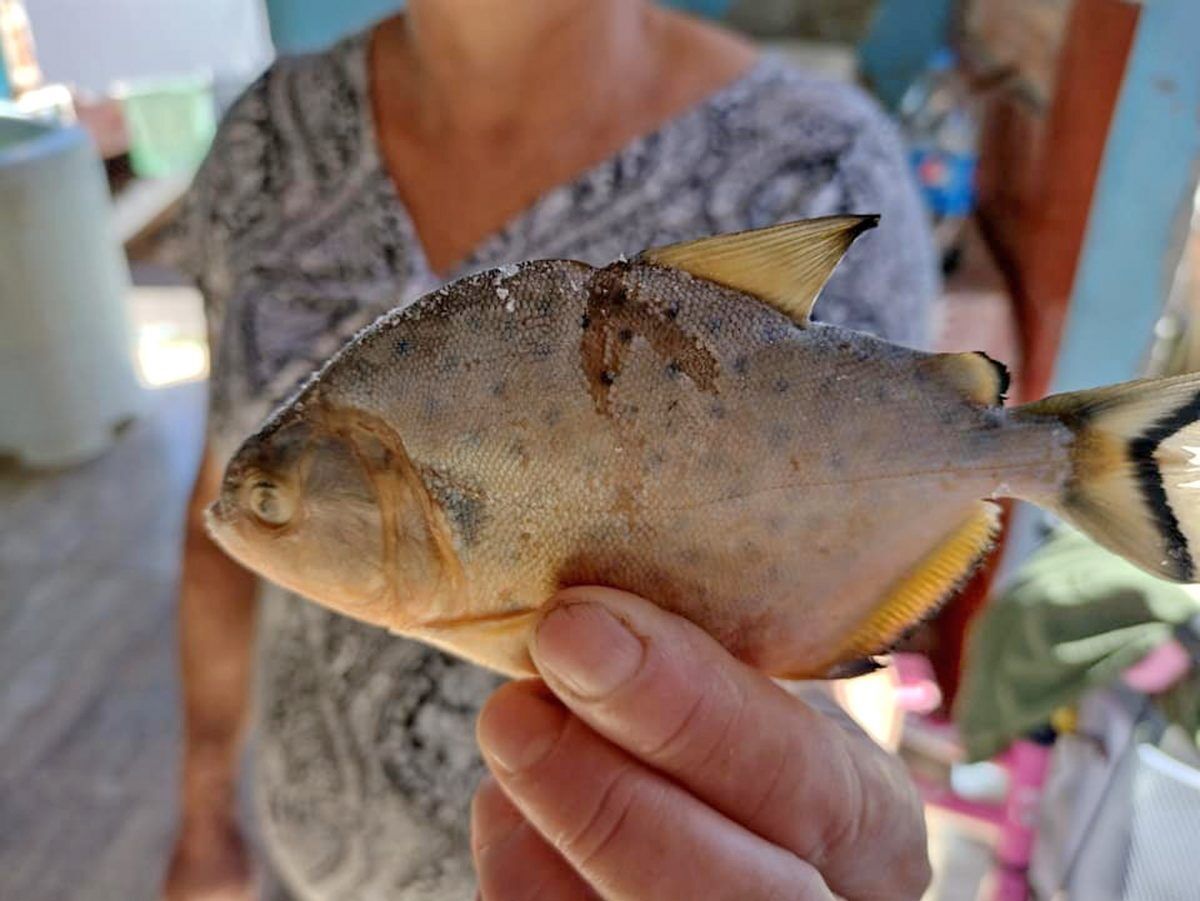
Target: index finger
{"x":665,"y":691}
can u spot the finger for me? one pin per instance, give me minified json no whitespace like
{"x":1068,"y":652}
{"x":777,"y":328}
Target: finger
{"x":666,"y":692}
{"x":627,"y":830}
{"x":512,"y":860}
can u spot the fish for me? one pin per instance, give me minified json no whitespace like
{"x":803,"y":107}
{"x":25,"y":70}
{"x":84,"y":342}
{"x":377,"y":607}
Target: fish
{"x":678,"y":426}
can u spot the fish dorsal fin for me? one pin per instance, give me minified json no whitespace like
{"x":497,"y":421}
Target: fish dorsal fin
{"x":783,"y":265}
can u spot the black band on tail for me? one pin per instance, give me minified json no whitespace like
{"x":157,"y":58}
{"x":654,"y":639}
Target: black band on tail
{"x":1141,"y":454}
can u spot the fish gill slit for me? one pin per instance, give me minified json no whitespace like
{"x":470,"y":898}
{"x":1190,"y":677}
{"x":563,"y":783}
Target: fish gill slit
{"x":393,"y":485}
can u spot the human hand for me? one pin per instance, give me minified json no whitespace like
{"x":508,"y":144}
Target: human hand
{"x":210,"y":861}
{"x":652,"y":764}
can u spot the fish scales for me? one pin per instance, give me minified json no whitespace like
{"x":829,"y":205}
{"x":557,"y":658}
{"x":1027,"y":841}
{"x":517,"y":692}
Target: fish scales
{"x":636,"y":425}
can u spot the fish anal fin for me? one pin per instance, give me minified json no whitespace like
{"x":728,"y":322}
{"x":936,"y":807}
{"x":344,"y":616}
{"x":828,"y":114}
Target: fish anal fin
{"x":919,"y":592}
{"x":497,"y":641}
{"x":784,"y":265}
{"x":975,"y":375}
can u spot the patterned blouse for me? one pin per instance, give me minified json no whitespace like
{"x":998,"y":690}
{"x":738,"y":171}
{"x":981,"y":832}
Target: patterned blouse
{"x":364,"y":752}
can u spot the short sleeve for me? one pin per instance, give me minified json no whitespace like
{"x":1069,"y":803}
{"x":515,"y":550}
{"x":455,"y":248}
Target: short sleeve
{"x":224,"y":200}
{"x":223,"y":193}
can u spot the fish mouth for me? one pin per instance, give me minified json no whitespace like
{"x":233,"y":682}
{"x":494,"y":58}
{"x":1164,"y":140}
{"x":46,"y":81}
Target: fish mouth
{"x":221,"y":520}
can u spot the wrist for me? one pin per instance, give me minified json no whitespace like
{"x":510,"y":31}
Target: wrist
{"x":208,"y":783}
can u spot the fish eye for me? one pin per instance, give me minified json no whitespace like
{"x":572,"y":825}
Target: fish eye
{"x":271,"y":503}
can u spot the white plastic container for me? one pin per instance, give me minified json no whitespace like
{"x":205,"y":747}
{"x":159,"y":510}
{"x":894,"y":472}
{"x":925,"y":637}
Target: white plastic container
{"x":66,"y":370}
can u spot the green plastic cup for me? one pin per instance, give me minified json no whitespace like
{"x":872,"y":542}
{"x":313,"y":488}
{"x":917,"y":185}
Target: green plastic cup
{"x":170,"y":121}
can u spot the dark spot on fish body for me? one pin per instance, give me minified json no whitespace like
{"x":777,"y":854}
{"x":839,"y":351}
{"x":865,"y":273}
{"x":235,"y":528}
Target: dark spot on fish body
{"x":464,"y":505}
{"x":541,"y":350}
{"x":993,"y":418}
{"x":626,"y":503}
{"x":673,"y":369}
{"x":401,"y":347}
{"x":551,"y":416}
{"x":585,"y":321}
{"x":741,"y":364}
{"x":716,"y":410}
{"x":518,"y":450}
{"x":752,"y":553}
{"x":672,"y":311}
{"x":499,"y":388}
{"x":625,"y":335}
{"x":607,"y":377}
{"x":431,"y":407}
{"x":779,"y":436}
{"x":780,"y":386}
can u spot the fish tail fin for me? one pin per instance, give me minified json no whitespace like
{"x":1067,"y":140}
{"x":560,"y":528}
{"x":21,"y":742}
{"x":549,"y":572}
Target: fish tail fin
{"x":1135,"y":481}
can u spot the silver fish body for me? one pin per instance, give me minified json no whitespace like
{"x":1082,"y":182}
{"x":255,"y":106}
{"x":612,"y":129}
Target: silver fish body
{"x":801,"y":491}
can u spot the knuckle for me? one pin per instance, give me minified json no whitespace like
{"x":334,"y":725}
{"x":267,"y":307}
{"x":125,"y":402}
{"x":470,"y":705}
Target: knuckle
{"x":779,"y":778}
{"x":888,"y":817}
{"x":607,"y":824}
{"x":701,"y":731}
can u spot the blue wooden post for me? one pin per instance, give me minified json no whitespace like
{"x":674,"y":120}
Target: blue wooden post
{"x":305,"y":26}
{"x":1142,"y":202}
{"x":904,"y":34}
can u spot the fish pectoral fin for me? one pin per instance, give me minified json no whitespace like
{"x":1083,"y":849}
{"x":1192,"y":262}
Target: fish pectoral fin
{"x":974,"y":375}
{"x":916,"y":594}
{"x":785,"y":265}
{"x":496,"y":641}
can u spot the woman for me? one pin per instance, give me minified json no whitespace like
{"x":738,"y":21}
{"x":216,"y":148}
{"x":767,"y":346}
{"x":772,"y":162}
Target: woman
{"x":463,"y":135}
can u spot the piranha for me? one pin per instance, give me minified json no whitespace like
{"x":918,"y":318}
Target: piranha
{"x":676,"y":426}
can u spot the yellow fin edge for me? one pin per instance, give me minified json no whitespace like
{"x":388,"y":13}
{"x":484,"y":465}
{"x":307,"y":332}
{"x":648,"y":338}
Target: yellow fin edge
{"x":924,"y":587}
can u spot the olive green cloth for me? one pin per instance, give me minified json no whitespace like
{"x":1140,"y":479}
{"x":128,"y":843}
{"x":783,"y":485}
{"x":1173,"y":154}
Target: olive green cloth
{"x":1074,"y":618}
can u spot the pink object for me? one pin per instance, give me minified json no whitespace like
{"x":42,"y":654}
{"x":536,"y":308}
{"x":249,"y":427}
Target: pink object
{"x":1028,"y":765}
{"x":916,"y":689}
{"x":1160,"y":669}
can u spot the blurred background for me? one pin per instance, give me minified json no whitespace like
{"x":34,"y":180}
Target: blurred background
{"x":1057,"y":144}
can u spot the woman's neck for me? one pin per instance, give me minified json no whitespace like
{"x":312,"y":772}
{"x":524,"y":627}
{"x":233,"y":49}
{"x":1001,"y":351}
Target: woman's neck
{"x":496,"y":66}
